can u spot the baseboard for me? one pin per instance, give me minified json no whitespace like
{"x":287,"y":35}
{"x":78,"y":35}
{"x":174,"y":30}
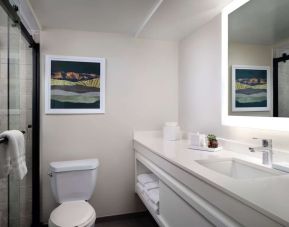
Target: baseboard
{"x":121,"y":216}
{"x":116,"y":217}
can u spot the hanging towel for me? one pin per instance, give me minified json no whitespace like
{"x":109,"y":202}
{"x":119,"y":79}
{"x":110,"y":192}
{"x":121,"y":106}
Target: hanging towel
{"x":147,"y":178}
{"x":4,"y":161}
{"x":14,"y":152}
{"x":154,"y":195}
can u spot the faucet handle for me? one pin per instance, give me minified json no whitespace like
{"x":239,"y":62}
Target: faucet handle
{"x":251,"y":149}
{"x":265,"y":142}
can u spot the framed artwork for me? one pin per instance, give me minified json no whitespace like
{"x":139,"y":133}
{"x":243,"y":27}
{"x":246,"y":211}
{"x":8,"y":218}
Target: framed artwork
{"x":250,"y":88}
{"x":74,"y":85}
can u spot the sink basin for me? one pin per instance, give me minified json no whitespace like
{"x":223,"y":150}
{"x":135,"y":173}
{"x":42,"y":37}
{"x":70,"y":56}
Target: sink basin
{"x":238,"y":169}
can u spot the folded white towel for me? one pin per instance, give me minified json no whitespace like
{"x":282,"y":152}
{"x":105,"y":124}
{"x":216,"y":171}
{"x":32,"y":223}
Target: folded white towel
{"x":149,"y":202}
{"x":153,"y":206}
{"x":14,"y":153}
{"x":154,"y":195}
{"x":145,"y":196}
{"x":151,"y":185}
{"x":146,"y":178}
{"x":139,"y":188}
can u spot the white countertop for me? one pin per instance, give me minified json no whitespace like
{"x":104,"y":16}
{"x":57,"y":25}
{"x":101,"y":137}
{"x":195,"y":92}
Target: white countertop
{"x":268,"y":195}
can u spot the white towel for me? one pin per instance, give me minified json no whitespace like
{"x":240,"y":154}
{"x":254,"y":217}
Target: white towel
{"x":153,"y":206}
{"x":154,"y":195}
{"x":4,"y":160}
{"x":139,"y":188}
{"x":146,"y":178}
{"x":152,"y":185}
{"x":145,"y":196}
{"x":14,"y":153}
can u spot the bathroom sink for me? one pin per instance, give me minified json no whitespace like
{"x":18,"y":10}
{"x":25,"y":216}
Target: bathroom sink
{"x":238,"y":169}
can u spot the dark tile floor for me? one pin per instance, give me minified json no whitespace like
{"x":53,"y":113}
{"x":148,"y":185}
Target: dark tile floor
{"x":142,"y":221}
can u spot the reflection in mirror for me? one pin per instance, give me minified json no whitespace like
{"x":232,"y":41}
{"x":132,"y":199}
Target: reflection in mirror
{"x":259,"y":59}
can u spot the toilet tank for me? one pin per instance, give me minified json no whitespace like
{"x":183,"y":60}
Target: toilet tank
{"x":73,"y":180}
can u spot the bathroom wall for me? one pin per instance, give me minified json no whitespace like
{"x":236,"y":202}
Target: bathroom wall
{"x":200,"y":88}
{"x":141,"y":94}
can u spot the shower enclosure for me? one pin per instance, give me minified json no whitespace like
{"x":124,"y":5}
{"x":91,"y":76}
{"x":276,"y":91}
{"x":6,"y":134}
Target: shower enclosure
{"x":19,"y":110}
{"x":280,"y":85}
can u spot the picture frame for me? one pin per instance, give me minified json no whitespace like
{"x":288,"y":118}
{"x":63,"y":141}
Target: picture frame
{"x":251,"y":86}
{"x":74,"y":85}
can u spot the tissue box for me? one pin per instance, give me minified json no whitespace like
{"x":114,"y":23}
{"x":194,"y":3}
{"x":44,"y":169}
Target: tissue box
{"x":171,"y":131}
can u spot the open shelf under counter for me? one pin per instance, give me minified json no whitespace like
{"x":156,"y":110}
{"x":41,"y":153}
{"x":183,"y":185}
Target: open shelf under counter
{"x":155,"y":215}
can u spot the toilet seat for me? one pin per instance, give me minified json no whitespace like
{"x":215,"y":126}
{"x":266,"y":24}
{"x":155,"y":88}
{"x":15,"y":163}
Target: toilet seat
{"x":71,"y":214}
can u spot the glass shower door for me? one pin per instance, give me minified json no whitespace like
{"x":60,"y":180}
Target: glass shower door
{"x":20,"y":117}
{"x":3,"y":108}
{"x":15,"y":113}
{"x":283,"y":90}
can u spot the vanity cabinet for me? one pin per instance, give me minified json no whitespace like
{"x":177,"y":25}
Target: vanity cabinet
{"x":175,"y":211}
{"x":187,"y":200}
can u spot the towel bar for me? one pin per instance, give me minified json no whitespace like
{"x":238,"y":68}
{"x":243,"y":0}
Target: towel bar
{"x":5,"y":140}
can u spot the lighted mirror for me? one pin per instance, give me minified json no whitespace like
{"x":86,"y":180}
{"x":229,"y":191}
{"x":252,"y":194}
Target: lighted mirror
{"x":258,"y":59}
{"x":255,"y":64}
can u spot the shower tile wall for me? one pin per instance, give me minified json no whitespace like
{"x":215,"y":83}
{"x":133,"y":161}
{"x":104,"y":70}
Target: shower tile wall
{"x":21,"y":118}
{"x":3,"y":113}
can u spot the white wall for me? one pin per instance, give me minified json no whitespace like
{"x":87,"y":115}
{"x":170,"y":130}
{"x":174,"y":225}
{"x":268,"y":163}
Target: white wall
{"x":200,"y":88}
{"x":141,"y":93}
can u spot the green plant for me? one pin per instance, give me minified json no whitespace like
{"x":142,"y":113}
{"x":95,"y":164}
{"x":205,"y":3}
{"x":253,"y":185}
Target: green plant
{"x":212,"y":141}
{"x":211,"y":137}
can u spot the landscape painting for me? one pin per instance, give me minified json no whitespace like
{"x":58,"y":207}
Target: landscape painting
{"x":74,"y":85}
{"x":250,"y":88}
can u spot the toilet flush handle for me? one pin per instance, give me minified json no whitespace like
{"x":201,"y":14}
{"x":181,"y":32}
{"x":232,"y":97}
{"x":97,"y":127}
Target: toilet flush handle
{"x":50,"y":174}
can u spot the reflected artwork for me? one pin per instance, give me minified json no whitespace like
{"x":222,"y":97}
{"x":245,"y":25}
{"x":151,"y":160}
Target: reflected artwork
{"x":250,"y":88}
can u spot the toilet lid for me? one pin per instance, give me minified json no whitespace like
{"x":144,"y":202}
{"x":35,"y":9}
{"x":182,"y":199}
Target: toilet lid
{"x":74,"y":213}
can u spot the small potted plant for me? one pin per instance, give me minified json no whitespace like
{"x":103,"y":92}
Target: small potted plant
{"x":212,"y":141}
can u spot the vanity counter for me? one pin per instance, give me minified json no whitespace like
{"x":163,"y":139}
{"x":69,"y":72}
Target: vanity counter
{"x":268,"y":195}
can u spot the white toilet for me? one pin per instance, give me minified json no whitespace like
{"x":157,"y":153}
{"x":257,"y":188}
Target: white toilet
{"x":73,"y":183}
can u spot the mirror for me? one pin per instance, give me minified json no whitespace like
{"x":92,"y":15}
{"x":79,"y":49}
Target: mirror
{"x":258,"y":59}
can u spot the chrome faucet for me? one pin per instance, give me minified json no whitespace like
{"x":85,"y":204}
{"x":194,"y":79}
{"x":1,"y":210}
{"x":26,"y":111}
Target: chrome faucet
{"x":266,"y":149}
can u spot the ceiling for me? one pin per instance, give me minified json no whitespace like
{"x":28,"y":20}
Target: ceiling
{"x":156,"y":19}
{"x":263,"y":22}
{"x":175,"y":19}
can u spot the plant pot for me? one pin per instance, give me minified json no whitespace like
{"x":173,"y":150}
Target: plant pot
{"x":212,"y":143}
